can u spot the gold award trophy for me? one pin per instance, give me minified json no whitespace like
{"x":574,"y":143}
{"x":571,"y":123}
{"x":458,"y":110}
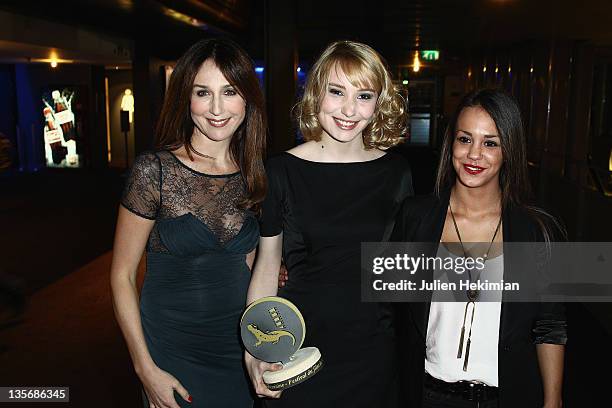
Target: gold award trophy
{"x":273,"y":330}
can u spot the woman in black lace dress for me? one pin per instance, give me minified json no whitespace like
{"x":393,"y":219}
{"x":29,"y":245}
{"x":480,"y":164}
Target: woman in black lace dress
{"x":191,"y":205}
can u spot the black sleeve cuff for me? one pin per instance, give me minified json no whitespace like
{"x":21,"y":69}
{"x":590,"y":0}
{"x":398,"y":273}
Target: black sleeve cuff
{"x":550,"y":332}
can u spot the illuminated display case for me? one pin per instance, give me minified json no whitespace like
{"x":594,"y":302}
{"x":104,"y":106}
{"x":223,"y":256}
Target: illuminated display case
{"x":62,"y":126}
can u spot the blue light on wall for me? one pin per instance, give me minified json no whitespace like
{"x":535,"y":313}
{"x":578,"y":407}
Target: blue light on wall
{"x":259,"y":72}
{"x":301,"y":78}
{"x":28,"y":122}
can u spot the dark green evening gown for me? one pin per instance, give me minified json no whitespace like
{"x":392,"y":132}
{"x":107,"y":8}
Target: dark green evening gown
{"x":197,"y":277}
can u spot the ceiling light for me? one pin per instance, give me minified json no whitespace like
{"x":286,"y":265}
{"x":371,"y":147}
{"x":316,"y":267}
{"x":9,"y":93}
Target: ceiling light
{"x":52,"y":61}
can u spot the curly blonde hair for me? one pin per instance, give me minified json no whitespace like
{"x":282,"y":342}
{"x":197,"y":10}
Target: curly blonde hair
{"x":363,"y":67}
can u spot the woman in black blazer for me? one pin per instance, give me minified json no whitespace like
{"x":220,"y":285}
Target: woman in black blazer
{"x":481,"y":195}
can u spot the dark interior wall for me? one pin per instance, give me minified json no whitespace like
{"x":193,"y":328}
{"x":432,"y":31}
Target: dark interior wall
{"x":97,"y":153}
{"x":31,"y":80}
{"x":548,"y":80}
{"x":8,"y":113}
{"x":118,"y":82}
{"x":253,"y":39}
{"x":529,"y":82}
{"x":553,"y":83}
{"x":149,"y":88}
{"x":29,"y":116}
{"x":281,"y":61}
{"x":158,"y":88}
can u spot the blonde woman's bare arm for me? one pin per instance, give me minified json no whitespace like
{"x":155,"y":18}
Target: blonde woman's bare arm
{"x":264,"y":282}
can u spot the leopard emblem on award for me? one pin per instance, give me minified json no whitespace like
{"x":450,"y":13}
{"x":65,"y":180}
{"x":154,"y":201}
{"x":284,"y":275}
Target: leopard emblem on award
{"x":273,"y":330}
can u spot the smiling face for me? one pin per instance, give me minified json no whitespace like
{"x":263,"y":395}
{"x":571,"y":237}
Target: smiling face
{"x":477,"y":153}
{"x":345,"y":110}
{"x":217,"y":109}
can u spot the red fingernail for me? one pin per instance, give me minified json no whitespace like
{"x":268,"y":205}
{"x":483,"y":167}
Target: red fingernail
{"x":189,"y":399}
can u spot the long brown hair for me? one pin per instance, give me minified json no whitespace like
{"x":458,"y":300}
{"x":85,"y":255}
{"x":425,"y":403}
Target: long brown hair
{"x":175,"y":126}
{"x":513,"y":177}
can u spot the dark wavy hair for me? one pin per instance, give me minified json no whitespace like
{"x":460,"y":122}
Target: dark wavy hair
{"x":513,"y":177}
{"x":175,"y":126}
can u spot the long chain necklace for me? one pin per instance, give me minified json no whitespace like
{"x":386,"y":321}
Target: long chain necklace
{"x":472,"y":294}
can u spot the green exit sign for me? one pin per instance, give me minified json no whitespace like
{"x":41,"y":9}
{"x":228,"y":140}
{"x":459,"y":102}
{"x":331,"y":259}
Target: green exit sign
{"x":430,"y":55}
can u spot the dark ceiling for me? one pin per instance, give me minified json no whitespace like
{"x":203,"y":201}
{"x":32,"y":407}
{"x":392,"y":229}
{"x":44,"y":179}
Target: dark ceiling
{"x":166,"y":27}
{"x":395,"y":28}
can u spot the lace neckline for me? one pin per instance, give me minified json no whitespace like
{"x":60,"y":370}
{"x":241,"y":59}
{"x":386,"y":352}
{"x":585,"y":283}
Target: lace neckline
{"x":181,"y":163}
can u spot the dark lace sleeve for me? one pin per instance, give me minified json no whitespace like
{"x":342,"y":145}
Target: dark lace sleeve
{"x":271,"y":212}
{"x":142,"y":188}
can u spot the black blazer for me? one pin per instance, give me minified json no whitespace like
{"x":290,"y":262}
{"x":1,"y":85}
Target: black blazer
{"x":522,"y":325}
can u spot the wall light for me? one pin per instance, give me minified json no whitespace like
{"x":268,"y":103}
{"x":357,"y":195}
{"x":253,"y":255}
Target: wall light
{"x":416,"y":63}
{"x":53,"y":63}
{"x":127,"y":103}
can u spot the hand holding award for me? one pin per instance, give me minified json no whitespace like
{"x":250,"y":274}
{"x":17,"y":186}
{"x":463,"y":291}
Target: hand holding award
{"x":273,"y":330}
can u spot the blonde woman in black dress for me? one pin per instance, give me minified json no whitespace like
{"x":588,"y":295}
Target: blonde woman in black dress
{"x":325,"y":197}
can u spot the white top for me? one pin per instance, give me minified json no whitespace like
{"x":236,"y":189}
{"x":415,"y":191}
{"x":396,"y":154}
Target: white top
{"x":444,"y":330}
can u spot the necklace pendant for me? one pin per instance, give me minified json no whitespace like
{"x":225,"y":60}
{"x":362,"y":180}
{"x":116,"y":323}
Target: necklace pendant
{"x":460,"y":349}
{"x":472,"y":294}
{"x":467,"y":354}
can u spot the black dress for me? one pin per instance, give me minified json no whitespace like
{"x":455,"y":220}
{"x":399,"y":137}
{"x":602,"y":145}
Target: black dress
{"x":325,"y":211}
{"x":197,"y":277}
